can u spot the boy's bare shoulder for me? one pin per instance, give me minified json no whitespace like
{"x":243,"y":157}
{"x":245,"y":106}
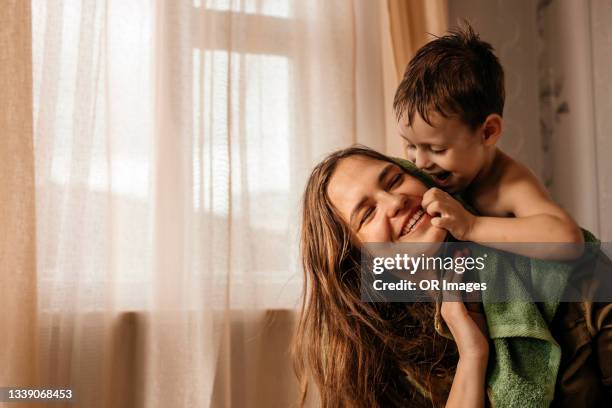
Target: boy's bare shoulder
{"x":508,"y":182}
{"x":514,"y":174}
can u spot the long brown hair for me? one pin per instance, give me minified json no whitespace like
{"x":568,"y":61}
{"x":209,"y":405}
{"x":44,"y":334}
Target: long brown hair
{"x":359,"y":354}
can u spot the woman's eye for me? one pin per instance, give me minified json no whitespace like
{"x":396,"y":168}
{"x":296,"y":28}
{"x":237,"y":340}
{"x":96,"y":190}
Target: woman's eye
{"x":396,"y":180}
{"x":438,"y":151}
{"x":366,"y":216}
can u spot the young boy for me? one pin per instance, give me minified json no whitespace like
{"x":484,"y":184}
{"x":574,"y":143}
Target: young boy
{"x":449,"y":107}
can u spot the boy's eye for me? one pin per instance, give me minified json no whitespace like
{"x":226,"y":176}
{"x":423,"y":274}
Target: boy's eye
{"x":410,"y":147}
{"x":438,"y":151}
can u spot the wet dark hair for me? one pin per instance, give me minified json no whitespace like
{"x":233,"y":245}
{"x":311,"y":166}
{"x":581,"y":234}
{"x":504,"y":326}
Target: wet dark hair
{"x":457,"y":74}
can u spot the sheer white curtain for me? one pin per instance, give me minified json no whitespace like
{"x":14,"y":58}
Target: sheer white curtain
{"x":172,"y":142}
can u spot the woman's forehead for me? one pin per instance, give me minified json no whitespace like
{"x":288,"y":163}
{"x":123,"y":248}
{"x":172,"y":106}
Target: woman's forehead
{"x":352,"y":177}
{"x":354,"y":171}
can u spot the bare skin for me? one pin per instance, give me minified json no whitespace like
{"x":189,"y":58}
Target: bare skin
{"x":515,"y":207}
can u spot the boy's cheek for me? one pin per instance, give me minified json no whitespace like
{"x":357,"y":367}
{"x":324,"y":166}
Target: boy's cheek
{"x":448,"y":163}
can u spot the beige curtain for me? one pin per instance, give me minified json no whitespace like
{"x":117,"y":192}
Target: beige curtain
{"x":17,"y":223}
{"x":406,"y":26}
{"x":412,"y":24}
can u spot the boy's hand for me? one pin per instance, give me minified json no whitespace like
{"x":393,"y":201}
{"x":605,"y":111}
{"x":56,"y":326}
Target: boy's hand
{"x":448,"y":213}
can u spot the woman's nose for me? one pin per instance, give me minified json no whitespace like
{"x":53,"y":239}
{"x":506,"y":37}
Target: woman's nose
{"x":422,"y":159}
{"x":394,"y":203}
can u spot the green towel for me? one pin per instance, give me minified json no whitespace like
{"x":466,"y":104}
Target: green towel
{"x":525,"y":357}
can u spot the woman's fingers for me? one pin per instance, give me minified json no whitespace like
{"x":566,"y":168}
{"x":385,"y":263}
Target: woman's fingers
{"x":453,"y":312}
{"x":466,"y":323}
{"x":466,"y":329}
{"x":453,"y":278}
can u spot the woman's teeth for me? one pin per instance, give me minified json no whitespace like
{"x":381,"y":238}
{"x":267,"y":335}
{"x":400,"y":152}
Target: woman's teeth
{"x":412,"y":222}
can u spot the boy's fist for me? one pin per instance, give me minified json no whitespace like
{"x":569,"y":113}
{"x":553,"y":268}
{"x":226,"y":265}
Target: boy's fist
{"x":448,"y":213}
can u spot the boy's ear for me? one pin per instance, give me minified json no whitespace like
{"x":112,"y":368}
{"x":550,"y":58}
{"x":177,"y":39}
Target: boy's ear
{"x":491,"y":129}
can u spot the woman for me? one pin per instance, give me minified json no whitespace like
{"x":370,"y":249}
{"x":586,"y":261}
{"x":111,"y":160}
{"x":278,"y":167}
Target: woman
{"x":376,"y":354}
{"x":388,"y":354}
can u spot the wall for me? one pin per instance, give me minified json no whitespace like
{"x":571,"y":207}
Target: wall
{"x":511,"y":28}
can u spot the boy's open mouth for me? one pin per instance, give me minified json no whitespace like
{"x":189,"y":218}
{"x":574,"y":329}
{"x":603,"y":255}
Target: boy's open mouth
{"x":442,"y":176}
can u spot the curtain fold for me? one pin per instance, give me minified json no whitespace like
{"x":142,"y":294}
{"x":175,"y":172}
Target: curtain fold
{"x":406,"y":26}
{"x":17,"y":204}
{"x":412,"y":24}
{"x":574,"y":105}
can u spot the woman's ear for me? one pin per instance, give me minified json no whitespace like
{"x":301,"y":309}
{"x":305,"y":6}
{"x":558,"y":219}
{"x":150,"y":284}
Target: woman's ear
{"x":491,"y":129}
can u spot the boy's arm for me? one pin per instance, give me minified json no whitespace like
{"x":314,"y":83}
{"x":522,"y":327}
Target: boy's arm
{"x":538,"y":219}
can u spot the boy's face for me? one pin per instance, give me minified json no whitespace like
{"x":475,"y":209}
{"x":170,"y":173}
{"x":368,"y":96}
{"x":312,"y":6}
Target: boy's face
{"x":449,"y":150}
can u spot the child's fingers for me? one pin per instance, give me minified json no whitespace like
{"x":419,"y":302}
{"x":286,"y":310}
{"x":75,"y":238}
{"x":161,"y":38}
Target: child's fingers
{"x":430,"y":196}
{"x":441,"y":222}
{"x":434,"y":208}
{"x":427,"y":199}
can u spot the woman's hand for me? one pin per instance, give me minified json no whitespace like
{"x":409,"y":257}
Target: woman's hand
{"x":467,"y":321}
{"x":468,"y":327}
{"x":469,"y":331}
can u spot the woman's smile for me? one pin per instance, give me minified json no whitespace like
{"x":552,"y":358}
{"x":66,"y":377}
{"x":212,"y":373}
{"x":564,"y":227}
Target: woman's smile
{"x":413,"y":222}
{"x":380,"y":202}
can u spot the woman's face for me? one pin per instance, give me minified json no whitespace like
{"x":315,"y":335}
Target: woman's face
{"x":380,"y":202}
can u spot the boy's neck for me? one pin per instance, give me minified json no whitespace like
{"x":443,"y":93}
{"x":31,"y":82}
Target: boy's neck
{"x":487,"y":168}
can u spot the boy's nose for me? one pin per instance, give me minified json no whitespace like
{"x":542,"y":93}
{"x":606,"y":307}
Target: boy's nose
{"x":422,"y":160}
